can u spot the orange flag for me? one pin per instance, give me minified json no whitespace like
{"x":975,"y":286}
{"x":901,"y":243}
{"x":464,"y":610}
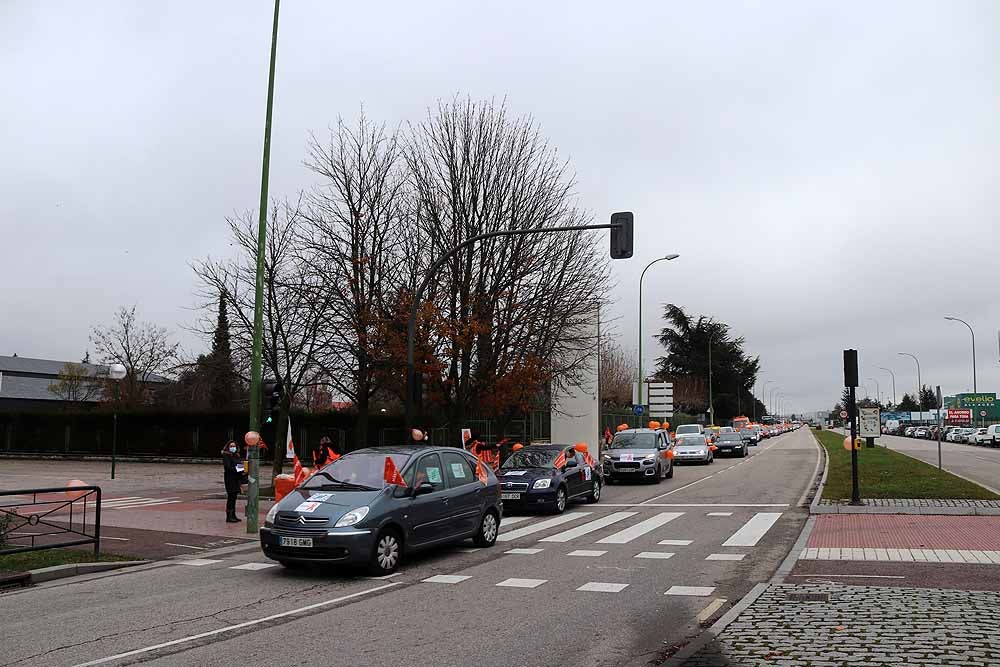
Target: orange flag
{"x":390,"y":474}
{"x":297,"y":471}
{"x":560,"y":460}
{"x":481,"y":472}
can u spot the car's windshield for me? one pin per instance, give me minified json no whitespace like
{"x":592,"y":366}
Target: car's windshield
{"x":531,"y":458}
{"x":356,"y":471}
{"x":691,"y":440}
{"x":730,"y":436}
{"x":687,"y":428}
{"x":626,"y":440}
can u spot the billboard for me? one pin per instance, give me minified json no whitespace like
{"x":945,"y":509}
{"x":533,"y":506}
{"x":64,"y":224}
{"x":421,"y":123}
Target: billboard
{"x":979,"y":400}
{"x":959,"y":415}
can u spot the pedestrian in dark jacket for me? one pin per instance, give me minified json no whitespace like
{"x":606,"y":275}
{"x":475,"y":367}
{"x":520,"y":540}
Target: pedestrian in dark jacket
{"x":232,"y":463}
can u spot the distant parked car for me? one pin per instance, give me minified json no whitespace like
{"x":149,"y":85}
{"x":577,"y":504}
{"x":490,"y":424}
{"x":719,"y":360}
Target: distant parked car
{"x":979,"y":437}
{"x":920,"y":432}
{"x":993,"y":436}
{"x":909,"y":431}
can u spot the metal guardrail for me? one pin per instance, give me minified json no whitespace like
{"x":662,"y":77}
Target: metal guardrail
{"x":59,"y":512}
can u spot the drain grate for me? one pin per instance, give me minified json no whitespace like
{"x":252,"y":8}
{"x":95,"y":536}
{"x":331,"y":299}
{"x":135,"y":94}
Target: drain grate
{"x":808,"y":597}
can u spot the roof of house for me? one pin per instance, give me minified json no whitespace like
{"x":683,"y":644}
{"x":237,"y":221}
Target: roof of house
{"x":31,"y":387}
{"x":43,"y":366}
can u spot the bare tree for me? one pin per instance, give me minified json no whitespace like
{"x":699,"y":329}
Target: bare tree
{"x":512,"y":313}
{"x":294,"y":304}
{"x":355,"y":245}
{"x":77,"y":384}
{"x":618,"y":373}
{"x":142,"y":347}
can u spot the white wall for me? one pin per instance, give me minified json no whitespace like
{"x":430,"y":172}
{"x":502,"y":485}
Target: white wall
{"x":576,"y":410}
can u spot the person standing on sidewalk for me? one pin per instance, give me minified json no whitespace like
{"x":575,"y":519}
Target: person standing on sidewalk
{"x":233,"y":474}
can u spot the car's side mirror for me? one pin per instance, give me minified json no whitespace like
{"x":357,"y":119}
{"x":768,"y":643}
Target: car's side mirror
{"x":571,"y":464}
{"x":424,"y":488}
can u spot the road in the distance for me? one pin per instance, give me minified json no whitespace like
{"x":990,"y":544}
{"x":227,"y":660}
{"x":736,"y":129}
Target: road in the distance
{"x":980,"y":464}
{"x":727,"y":525}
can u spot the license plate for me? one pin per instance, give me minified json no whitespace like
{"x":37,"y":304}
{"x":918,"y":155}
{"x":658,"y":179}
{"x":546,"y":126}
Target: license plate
{"x":510,"y":496}
{"x":295,"y":541}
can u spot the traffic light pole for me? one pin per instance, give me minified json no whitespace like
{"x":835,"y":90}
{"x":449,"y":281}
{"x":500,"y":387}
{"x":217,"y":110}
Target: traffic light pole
{"x":253,"y":474}
{"x":418,"y":295}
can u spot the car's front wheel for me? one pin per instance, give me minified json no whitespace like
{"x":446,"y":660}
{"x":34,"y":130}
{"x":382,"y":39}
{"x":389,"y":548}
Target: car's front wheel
{"x":595,"y":492}
{"x":387,"y":554}
{"x":489,"y":528}
{"x":560,"y":505}
{"x":670,"y":471}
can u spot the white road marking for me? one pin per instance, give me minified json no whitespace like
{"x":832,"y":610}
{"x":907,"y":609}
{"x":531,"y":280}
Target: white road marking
{"x":695,"y":505}
{"x":524,"y":552}
{"x":542,"y":525}
{"x":676,"y":543}
{"x":468,"y":550}
{"x":522,"y":583}
{"x":586,"y":553}
{"x":753,"y":530}
{"x":109,"y":501}
{"x":254,"y":567}
{"x":238,"y":626}
{"x":695,"y":591}
{"x":588,"y":527}
{"x":511,"y":520}
{"x":186,"y":546}
{"x":137,"y":502}
{"x":720,"y":514}
{"x":852,"y":576}
{"x":446,"y":579}
{"x":197,"y":562}
{"x":641,"y":528}
{"x":654,"y":555}
{"x":602,"y":587}
{"x":726,"y":556}
{"x":708,"y":611}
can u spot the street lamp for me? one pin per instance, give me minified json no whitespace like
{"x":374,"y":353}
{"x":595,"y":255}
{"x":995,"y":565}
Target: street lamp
{"x":665,"y":258}
{"x":770,"y":398}
{"x":878,"y":390}
{"x":893,"y":382}
{"x":920,"y":384}
{"x":116,"y":373}
{"x":956,"y":319}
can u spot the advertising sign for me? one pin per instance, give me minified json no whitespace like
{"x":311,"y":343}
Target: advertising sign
{"x":959,"y":415}
{"x":980,"y":400}
{"x":871,"y":425}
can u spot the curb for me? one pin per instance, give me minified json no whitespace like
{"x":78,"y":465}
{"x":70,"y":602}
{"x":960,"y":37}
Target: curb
{"x":717,"y":628}
{"x":924,"y":511}
{"x":818,"y":496}
{"x":73,"y":569}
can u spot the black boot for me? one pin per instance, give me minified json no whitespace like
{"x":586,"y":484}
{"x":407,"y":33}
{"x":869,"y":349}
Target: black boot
{"x":232,"y":518}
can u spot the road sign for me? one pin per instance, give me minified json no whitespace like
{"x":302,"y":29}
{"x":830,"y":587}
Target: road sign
{"x":659,"y":396}
{"x":638,"y":410}
{"x":983,"y":413}
{"x":870,"y":423}
{"x":843,"y":414}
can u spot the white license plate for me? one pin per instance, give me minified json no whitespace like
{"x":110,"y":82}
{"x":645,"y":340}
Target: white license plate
{"x":295,"y":541}
{"x":510,"y":496}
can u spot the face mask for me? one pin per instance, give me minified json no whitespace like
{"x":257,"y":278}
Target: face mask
{"x":232,"y":449}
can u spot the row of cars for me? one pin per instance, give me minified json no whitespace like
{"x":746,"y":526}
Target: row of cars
{"x":984,"y":435}
{"x":372,"y":506}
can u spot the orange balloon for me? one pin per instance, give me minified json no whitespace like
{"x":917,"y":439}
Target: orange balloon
{"x":654,"y":425}
{"x":73,"y":495}
{"x":517,"y":446}
{"x":669,"y":453}
{"x":251,"y":438}
{"x":666,"y":425}
{"x":580,"y":446}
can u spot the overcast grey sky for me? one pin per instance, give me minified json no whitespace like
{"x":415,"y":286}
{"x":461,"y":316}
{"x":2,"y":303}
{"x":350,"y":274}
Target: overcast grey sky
{"x":827,"y":171}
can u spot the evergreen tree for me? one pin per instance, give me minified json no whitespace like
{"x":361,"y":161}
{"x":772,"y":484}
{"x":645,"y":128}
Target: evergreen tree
{"x":908,"y":404}
{"x":928,"y":399}
{"x":219,"y":362}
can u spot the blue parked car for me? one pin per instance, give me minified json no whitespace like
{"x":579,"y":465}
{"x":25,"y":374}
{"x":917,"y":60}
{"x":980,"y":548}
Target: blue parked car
{"x":548,"y":477}
{"x":347,"y":514}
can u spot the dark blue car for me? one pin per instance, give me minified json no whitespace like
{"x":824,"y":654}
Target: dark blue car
{"x":347,"y":514}
{"x":530,"y":479}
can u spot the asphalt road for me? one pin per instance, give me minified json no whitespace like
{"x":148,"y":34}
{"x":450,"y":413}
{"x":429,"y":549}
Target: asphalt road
{"x":977,"y":463}
{"x":731,"y":524}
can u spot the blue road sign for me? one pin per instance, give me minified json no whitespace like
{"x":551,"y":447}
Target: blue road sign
{"x":638,"y":410}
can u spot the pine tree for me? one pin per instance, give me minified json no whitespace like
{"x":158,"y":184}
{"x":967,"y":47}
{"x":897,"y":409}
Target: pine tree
{"x":221,"y":371}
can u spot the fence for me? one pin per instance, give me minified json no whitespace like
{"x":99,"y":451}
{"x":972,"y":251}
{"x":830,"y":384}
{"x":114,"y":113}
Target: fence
{"x":61,"y":514}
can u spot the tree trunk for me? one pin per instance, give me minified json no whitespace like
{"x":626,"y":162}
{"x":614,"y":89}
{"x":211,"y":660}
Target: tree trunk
{"x":361,"y":425}
{"x":280,"y":434}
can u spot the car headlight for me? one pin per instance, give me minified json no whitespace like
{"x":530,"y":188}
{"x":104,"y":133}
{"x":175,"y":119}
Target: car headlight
{"x":272,"y":514}
{"x":607,"y":458}
{"x":353,"y":517}
{"x":542,"y":483}
{"x":649,"y":460}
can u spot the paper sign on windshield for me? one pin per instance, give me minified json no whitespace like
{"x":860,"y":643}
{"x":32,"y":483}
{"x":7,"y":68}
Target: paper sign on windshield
{"x":434,"y":475}
{"x":320,"y":497}
{"x":514,"y":473}
{"x":458,"y":471}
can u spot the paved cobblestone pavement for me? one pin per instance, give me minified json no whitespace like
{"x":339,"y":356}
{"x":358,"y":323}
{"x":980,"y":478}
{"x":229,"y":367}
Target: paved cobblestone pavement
{"x":860,"y":625}
{"x":915,"y":502}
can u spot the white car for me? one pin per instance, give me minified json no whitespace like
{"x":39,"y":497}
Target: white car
{"x":992,"y":437}
{"x":979,"y":437}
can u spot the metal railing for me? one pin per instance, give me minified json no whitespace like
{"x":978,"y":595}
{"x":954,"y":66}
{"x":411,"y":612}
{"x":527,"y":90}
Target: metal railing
{"x":37,"y":519}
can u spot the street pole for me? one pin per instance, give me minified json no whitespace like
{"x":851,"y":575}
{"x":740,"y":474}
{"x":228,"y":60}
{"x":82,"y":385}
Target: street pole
{"x":116,"y":372}
{"x":956,"y":319}
{"x":893,"y":375}
{"x":878,"y":391}
{"x":920,"y":384}
{"x":411,"y":329}
{"x":711,"y":407}
{"x":940,"y":424}
{"x":253,"y":474}
{"x":642,"y":275}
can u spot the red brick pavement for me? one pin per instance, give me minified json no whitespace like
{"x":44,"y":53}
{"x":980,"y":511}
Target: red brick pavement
{"x":906,"y":532}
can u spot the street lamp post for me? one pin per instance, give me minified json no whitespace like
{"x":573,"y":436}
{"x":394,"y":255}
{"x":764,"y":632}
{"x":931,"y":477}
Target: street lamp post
{"x":116,"y":373}
{"x":642,"y":275}
{"x":889,"y":371}
{"x":770,"y":398}
{"x":878,"y":390}
{"x":956,"y":319}
{"x":920,"y":384}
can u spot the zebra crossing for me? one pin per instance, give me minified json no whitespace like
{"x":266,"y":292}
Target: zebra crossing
{"x":133,"y":502}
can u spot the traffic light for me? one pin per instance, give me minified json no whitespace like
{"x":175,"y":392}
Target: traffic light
{"x":850,"y":368}
{"x":621,"y":235}
{"x":272,"y":399}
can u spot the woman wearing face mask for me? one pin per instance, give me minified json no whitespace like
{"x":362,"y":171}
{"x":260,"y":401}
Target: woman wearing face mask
{"x":233,"y":465}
